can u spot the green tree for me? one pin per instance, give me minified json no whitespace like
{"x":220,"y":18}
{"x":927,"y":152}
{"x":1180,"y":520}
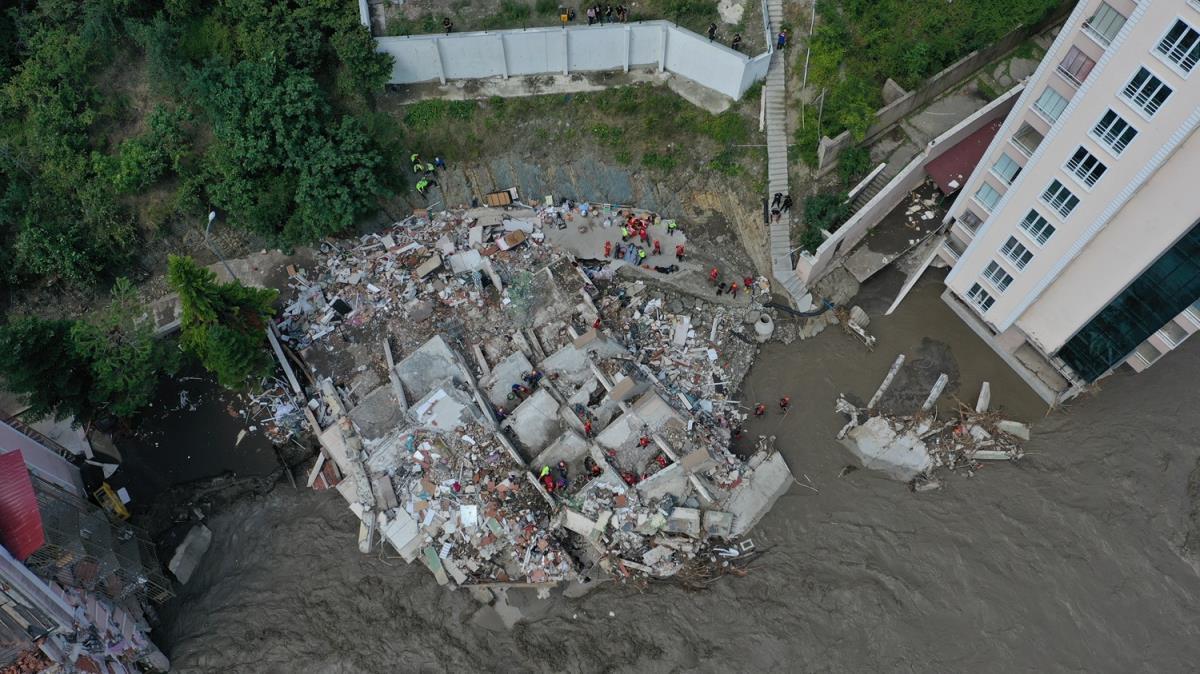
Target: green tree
{"x":124,"y":356}
{"x":39,"y":362}
{"x":826,"y":211}
{"x":223,"y":324}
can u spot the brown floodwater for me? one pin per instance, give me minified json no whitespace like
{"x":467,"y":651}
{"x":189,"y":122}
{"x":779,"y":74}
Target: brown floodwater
{"x":1074,"y":559}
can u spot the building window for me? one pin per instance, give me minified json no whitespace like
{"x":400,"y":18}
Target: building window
{"x":1037,"y":227}
{"x":971,"y":220}
{"x":1114,"y":132}
{"x":1016,"y":252}
{"x":1060,"y":198}
{"x":1028,"y":139}
{"x":1105,"y":24}
{"x":1076,"y":66}
{"x":1173,"y":333}
{"x":980,"y":297}
{"x":1146,"y":92}
{"x":1148,"y":352}
{"x":987,"y":196}
{"x":1050,"y":104}
{"x":996,"y":275}
{"x":1086,"y":167}
{"x":1157,"y":295}
{"x":1006,"y":169}
{"x":1181,"y":46}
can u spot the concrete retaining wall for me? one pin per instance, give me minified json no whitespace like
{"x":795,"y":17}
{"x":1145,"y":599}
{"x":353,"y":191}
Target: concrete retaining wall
{"x":950,"y":77}
{"x":556,"y":50}
{"x":810,"y":267}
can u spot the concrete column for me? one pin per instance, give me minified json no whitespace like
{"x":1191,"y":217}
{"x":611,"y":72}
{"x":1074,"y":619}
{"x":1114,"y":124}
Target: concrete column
{"x":628,"y":31}
{"x":566,"y":51}
{"x":662,"y":53}
{"x":503,"y":56}
{"x":437,"y":52}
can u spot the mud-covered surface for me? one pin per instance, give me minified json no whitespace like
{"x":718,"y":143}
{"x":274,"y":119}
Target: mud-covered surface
{"x":1071,"y":560}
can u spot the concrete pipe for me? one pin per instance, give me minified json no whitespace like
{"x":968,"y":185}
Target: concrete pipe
{"x":764,"y":328}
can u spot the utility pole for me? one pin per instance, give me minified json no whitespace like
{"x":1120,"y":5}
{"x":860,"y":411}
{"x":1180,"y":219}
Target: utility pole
{"x":212,"y":215}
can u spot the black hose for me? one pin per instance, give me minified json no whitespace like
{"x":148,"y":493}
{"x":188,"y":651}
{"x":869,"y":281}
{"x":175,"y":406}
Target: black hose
{"x":826,"y":305}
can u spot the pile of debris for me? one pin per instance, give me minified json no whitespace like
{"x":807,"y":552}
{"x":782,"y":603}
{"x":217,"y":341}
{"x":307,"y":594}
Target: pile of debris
{"x":550,"y":421}
{"x":912,"y":447}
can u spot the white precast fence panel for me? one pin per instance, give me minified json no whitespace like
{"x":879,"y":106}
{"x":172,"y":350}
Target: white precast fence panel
{"x":554,"y":50}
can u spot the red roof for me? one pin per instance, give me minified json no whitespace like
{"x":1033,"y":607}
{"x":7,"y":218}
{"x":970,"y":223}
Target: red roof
{"x":20,"y":520}
{"x":957,"y":163}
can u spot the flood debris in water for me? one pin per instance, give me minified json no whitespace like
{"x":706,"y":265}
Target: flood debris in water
{"x":914,"y":447}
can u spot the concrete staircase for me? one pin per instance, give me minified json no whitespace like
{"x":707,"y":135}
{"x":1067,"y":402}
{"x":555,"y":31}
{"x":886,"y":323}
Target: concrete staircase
{"x":775,"y":102}
{"x":870,"y":190}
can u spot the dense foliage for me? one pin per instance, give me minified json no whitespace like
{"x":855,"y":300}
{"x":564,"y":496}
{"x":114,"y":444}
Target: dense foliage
{"x":822,"y":212}
{"x":223,"y":324}
{"x":858,"y":44}
{"x":106,"y":363}
{"x":256,"y":107}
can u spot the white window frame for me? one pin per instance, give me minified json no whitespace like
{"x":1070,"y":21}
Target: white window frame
{"x":1045,"y":115}
{"x":1021,"y":148}
{"x":976,"y":199}
{"x":1000,"y":176}
{"x":1193,"y":310}
{"x":1098,"y":37}
{"x":978,"y":296}
{"x":1070,"y":76}
{"x":1016,"y":253}
{"x":1133,"y":104}
{"x":1057,"y":208}
{"x":1074,"y":171}
{"x":1165,"y":58}
{"x":1108,"y":147}
{"x":1030,"y":235}
{"x":999,"y":272}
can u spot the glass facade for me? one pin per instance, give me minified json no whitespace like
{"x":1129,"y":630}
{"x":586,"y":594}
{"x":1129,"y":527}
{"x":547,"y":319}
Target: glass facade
{"x":1160,"y":294}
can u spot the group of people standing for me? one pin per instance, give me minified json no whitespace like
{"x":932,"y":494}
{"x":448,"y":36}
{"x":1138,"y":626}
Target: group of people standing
{"x":780,"y":203}
{"x":607,"y":14}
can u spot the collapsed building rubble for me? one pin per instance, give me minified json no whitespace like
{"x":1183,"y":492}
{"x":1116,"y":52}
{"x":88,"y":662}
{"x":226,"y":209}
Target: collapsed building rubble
{"x":506,"y":413}
{"x":912,"y":447}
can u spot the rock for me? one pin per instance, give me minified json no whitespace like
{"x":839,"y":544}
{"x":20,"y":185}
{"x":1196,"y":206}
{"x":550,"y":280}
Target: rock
{"x":751,"y":317}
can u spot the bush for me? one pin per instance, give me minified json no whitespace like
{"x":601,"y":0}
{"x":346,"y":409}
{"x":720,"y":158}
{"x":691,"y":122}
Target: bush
{"x":659,"y":162}
{"x":826,"y":211}
{"x":811,"y":239}
{"x":546,"y":7}
{"x":462,"y":109}
{"x":854,"y":163}
{"x":425,"y":114}
{"x":807,"y":142}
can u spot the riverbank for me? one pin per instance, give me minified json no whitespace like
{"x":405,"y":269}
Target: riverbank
{"x":1069,"y":560}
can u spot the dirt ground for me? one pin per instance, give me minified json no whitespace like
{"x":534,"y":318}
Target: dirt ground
{"x":1071,"y":560}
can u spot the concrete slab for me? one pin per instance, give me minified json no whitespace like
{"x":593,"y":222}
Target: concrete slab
{"x":445,"y":409}
{"x":670,"y":480}
{"x":432,"y":363}
{"x":757,"y":493}
{"x":650,"y":411}
{"x":684,"y":521}
{"x":507,"y":372}
{"x":880,"y":446}
{"x":535,"y":422}
{"x":717,"y":524}
{"x":377,"y":414}
{"x":569,"y":447}
{"x":189,"y":553}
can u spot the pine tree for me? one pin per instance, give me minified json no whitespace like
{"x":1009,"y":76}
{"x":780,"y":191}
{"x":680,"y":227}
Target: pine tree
{"x":124,"y":355}
{"x":223,"y":324}
{"x":39,"y":361}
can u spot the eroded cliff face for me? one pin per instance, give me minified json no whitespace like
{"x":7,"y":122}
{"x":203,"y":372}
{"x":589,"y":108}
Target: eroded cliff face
{"x":708,"y":204}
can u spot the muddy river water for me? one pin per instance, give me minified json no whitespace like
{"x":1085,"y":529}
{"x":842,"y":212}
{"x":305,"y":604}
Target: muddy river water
{"x":1074,"y":559}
